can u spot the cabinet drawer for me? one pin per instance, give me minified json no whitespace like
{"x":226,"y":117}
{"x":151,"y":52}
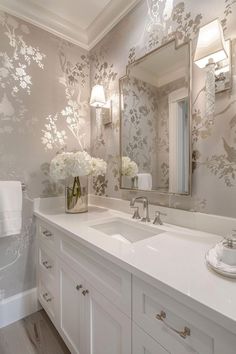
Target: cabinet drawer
{"x":168,"y":321}
{"x":142,"y":343}
{"x":110,"y":280}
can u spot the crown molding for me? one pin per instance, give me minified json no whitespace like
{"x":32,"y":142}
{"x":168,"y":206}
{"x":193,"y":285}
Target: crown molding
{"x":111,"y":15}
{"x":85,"y":38}
{"x":45,"y":19}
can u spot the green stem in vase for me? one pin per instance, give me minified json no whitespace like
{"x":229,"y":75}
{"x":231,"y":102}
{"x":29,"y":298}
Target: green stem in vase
{"x":78,"y":194}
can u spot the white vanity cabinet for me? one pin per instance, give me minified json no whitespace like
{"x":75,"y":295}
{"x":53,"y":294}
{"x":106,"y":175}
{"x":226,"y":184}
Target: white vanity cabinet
{"x":89,"y":300}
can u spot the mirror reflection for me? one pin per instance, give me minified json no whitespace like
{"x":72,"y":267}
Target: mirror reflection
{"x":155,"y":121}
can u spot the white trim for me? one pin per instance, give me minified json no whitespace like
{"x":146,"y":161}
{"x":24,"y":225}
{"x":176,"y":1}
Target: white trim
{"x":47,"y":22}
{"x":177,"y":162}
{"x":103,"y":23}
{"x":72,"y":32}
{"x":18,"y":306}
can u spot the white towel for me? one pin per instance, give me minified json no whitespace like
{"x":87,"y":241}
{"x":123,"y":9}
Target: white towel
{"x":10,"y":208}
{"x":145,"y":181}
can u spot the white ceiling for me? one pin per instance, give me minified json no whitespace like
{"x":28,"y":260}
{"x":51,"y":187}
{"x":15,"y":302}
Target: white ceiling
{"x":83,"y":22}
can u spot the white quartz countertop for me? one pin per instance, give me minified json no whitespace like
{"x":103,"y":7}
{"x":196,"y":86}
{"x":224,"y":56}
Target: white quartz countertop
{"x":174,"y":261}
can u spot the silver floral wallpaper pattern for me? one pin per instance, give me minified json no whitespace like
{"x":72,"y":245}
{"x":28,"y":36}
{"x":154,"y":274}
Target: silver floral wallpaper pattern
{"x":150,"y":24}
{"x":45,"y":86}
{"x":44,"y":93}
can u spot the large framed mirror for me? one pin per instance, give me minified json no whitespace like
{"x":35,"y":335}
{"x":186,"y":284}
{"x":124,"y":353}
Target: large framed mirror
{"x":155,"y":118}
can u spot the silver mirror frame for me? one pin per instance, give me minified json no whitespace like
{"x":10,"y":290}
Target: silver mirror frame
{"x":190,"y":60}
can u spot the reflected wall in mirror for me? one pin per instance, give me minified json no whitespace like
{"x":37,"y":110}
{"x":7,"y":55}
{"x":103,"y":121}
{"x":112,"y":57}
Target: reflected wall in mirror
{"x":155,"y":121}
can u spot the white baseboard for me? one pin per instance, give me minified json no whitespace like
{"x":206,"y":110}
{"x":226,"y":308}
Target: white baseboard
{"x":18,"y":306}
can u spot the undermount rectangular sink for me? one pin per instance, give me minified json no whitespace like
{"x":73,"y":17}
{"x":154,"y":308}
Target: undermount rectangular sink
{"x":126,"y":231}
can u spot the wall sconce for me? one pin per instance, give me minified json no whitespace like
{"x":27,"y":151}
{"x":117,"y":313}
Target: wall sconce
{"x":103,"y":107}
{"x":213,"y":53}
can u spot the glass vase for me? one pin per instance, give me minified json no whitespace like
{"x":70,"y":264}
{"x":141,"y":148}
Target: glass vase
{"x":77,"y":195}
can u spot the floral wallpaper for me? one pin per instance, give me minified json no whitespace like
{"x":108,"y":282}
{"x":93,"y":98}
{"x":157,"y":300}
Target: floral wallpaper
{"x":139,"y":117}
{"x":44,"y":94}
{"x":45,"y":86}
{"x":149,"y":25}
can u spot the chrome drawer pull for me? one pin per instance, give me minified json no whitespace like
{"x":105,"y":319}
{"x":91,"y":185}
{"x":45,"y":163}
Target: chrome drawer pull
{"x":47,"y":265}
{"x":85,"y":292}
{"x":183,"y":334}
{"x":47,"y":297}
{"x":47,"y":233}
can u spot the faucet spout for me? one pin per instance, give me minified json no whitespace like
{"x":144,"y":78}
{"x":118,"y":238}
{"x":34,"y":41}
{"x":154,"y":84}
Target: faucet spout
{"x":145,"y":217}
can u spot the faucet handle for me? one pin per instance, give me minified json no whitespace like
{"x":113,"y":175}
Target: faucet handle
{"x":136,"y":212}
{"x":157,"y":220}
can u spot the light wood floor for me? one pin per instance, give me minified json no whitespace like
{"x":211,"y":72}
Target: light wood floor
{"x":34,"y":334}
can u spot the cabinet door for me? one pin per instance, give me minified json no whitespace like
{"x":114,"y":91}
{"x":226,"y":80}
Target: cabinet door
{"x":144,"y":344}
{"x":108,"y":330}
{"x":72,"y":305}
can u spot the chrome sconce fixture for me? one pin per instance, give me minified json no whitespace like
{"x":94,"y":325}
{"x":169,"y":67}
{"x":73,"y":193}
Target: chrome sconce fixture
{"x":214,"y":54}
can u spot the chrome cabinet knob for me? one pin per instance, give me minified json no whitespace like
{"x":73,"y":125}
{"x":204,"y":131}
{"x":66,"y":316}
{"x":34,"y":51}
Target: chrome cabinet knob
{"x":47,"y":297}
{"x":47,"y":265}
{"x":85,"y":292}
{"x":47,"y":233}
{"x":78,"y":287}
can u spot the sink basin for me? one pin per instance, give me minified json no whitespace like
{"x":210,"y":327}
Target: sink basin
{"x":126,"y":231}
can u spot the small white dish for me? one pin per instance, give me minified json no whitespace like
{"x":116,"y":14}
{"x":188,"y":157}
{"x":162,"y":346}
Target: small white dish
{"x":215,"y":263}
{"x":226,"y":254}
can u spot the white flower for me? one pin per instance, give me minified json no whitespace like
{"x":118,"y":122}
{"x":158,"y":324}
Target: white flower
{"x":80,"y":164}
{"x":129,"y":167}
{"x":30,"y":50}
{"x":99,"y":167}
{"x":23,"y":84}
{"x":38,"y":56}
{"x":27,"y":79}
{"x":59,"y":165}
{"x":75,"y":164}
{"x":20,"y":72}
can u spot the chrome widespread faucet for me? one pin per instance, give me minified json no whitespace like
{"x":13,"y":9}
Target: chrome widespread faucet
{"x":145,"y":217}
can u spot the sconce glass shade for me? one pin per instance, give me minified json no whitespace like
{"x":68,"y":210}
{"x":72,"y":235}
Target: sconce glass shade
{"x":210,"y":45}
{"x":97,"y":96}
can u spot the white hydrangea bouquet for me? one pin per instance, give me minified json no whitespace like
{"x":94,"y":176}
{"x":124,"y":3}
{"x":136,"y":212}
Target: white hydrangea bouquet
{"x":129,"y":168}
{"x":75,"y":168}
{"x":129,"y":171}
